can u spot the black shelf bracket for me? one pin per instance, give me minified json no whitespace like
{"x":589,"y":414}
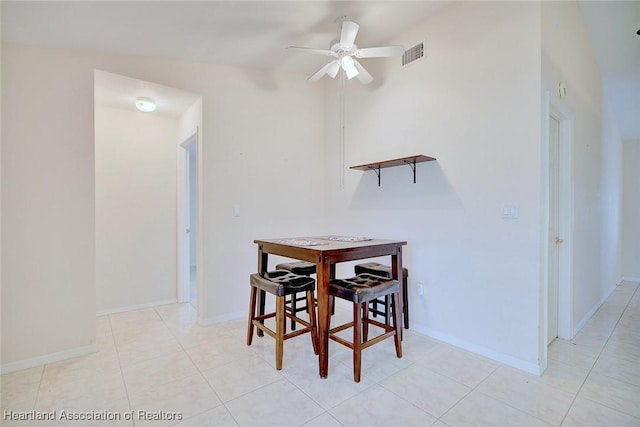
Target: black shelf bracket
{"x":412,"y":164}
{"x":376,"y":169}
{"x":411,"y":161}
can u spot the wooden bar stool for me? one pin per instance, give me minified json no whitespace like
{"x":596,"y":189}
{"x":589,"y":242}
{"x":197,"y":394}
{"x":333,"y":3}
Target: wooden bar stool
{"x":378,"y":269}
{"x":360,"y":290}
{"x":303,"y":268}
{"x":281,"y":283}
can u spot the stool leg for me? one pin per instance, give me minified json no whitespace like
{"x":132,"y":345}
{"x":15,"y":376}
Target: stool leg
{"x":357,"y":340}
{"x":293,"y":310}
{"x":396,"y":324}
{"x":365,"y":322}
{"x":262,"y":296}
{"x":387,"y":311}
{"x":280,"y":326}
{"x":252,"y":312}
{"x":405,"y":301}
{"x":311,"y":303}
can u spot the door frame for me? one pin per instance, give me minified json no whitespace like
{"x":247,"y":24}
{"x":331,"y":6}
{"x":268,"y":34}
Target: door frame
{"x":553,"y":107}
{"x":553,"y":228}
{"x":183,"y":251}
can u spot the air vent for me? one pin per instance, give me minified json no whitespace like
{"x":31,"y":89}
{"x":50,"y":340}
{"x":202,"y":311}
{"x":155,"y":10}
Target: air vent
{"x":413,"y":54}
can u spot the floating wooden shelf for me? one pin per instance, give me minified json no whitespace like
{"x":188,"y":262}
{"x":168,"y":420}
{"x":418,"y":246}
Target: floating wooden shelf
{"x":411,"y":161}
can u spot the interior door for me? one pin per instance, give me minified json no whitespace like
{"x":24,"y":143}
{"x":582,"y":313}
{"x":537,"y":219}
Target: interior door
{"x":555,"y":239}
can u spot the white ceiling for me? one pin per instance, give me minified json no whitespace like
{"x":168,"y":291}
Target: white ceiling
{"x":116,"y":91}
{"x":254,"y":34}
{"x":612,"y":27}
{"x":240,"y":33}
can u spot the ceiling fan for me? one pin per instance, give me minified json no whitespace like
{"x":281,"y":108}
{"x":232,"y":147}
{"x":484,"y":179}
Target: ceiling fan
{"x":346,"y":54}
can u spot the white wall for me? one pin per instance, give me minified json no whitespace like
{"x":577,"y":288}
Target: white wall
{"x":1,"y":353}
{"x":474,"y":104}
{"x":563,"y":31}
{"x":631,"y":210}
{"x":263,"y":152}
{"x":251,"y":153}
{"x":135,"y":165}
{"x":48,"y":274}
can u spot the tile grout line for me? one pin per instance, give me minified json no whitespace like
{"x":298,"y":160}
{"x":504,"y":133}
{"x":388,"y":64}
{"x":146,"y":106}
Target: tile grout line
{"x":573,"y":401}
{"x":475,"y":388}
{"x":35,"y":401}
{"x":124,"y":382}
{"x":184,"y":350}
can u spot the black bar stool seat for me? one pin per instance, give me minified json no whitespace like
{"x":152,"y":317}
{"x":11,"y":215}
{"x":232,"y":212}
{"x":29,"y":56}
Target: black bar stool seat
{"x":292,"y":304}
{"x":378,"y":269}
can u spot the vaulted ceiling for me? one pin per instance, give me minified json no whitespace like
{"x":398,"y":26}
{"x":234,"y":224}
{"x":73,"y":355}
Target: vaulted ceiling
{"x":612,"y":28}
{"x":254,"y":33}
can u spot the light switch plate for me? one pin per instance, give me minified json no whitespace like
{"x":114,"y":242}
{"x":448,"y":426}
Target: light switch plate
{"x":510,"y":211}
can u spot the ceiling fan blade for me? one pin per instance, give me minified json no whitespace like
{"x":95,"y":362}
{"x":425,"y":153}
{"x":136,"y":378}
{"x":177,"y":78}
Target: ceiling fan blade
{"x":363,"y":75}
{"x":325,"y":52}
{"x":326,"y":69}
{"x":348,"y":34}
{"x":380,"y":52}
{"x":332,"y":71}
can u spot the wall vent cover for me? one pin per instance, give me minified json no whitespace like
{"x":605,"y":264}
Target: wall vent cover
{"x":413,"y":54}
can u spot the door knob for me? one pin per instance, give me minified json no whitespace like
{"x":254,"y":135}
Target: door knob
{"x":559,"y":240}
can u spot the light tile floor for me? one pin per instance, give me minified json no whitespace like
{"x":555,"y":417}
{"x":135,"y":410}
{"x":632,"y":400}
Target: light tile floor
{"x":161,"y":362}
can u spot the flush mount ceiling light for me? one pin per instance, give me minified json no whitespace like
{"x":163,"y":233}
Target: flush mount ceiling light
{"x":145,"y":105}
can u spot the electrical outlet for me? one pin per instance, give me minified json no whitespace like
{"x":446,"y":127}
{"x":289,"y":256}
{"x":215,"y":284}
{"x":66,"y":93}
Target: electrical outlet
{"x":420,"y":289}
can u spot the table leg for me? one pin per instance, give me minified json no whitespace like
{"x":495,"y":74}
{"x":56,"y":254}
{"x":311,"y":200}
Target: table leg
{"x":323,"y":273}
{"x":396,"y":271}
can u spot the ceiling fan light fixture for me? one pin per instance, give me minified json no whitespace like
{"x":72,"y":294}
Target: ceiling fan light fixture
{"x":347,"y":63}
{"x":146,"y":105}
{"x":349,"y":66}
{"x":351,"y":73}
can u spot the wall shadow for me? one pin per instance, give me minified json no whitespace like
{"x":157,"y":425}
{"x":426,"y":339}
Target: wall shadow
{"x":432,"y":190}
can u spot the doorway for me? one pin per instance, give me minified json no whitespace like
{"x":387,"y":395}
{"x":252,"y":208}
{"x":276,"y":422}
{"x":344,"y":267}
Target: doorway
{"x":188,"y":221}
{"x":554,"y":232}
{"x":136,"y":165}
{"x":559,"y":283}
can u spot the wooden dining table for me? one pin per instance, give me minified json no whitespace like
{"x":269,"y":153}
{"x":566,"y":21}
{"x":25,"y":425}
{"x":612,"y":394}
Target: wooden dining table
{"x":326,"y":252}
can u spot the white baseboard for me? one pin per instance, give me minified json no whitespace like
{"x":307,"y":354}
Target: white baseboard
{"x":630,"y":279}
{"x":135,"y":307}
{"x":48,"y":358}
{"x":223,"y":318}
{"x":591,"y":312}
{"x":529,"y":367}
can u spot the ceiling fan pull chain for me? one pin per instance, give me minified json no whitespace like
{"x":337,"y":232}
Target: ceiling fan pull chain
{"x":342,"y":162}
